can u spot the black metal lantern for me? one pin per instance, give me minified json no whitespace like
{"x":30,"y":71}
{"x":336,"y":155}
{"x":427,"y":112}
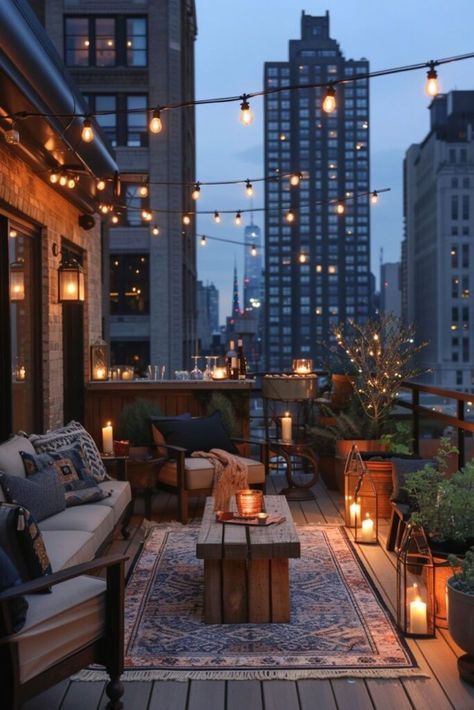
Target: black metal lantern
{"x":361,"y":500}
{"x":99,"y":361}
{"x":17,"y":281}
{"x":71,"y":282}
{"x":415,"y":584}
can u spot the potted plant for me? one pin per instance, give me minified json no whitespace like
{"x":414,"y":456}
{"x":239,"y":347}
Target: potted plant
{"x":134,"y":426}
{"x":343,"y":381}
{"x":461,"y":611}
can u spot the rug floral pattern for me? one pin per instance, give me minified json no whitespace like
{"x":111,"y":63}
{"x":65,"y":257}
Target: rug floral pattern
{"x":338,"y":623}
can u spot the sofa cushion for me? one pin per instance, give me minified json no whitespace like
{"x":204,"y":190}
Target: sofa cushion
{"x":197,"y":434}
{"x":21,"y":539}
{"x":199,"y":473}
{"x":10,"y":459}
{"x":9,"y":578}
{"x":120,"y":496}
{"x":42,"y":493}
{"x":68,"y":435}
{"x":158,"y":437}
{"x":95,"y":519}
{"x":60,"y":623}
{"x":69,"y":547}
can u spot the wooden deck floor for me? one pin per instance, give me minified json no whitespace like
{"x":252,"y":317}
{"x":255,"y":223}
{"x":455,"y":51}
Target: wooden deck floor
{"x":443,"y":690}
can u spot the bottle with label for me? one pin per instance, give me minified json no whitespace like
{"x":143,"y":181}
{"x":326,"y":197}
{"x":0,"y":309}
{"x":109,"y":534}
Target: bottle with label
{"x":232,"y":362}
{"x":241,"y":360}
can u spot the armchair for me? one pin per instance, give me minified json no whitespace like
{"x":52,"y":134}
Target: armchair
{"x":188,"y":476}
{"x":79,"y":623}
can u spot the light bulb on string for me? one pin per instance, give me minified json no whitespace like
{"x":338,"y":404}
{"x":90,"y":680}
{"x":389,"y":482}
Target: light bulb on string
{"x":147,"y":216}
{"x":432,"y":82}
{"x":246,"y":115}
{"x":253,"y":250}
{"x":63,"y":180}
{"x":143,"y":190}
{"x":104,"y":209}
{"x":329,"y":101}
{"x":196,"y":193}
{"x":249,"y":188}
{"x":186,"y":219}
{"x":295,"y":179}
{"x":100,"y":184}
{"x":217,"y":217}
{"x":71,"y":183}
{"x":238,"y":218}
{"x":115,"y":219}
{"x":374,"y":197}
{"x":156,"y":124}
{"x":340,"y":208}
{"x":87,"y":133}
{"x":290,"y":216}
{"x":54,"y":177}
{"x":155,"y":230}
{"x":203,"y":241}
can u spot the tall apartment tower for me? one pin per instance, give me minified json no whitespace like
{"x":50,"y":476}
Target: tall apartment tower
{"x":304,"y":300}
{"x":438,"y":251}
{"x":127,"y":56}
{"x":390,"y":289}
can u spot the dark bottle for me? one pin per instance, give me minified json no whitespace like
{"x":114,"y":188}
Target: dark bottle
{"x":241,"y":360}
{"x":232,"y":362}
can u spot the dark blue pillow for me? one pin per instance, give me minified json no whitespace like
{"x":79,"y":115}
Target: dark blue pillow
{"x":9,"y":578}
{"x":42,"y":493}
{"x":21,"y":539}
{"x":197,"y":434}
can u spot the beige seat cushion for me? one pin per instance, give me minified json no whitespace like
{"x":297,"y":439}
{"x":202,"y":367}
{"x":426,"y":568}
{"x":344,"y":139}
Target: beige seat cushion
{"x":60,"y":623}
{"x":90,"y":518}
{"x":120,"y":498}
{"x":199,"y":473}
{"x":69,"y":547}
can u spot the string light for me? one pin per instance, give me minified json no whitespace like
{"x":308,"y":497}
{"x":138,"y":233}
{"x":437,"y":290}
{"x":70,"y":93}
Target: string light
{"x":54,"y":177}
{"x":186,"y":219}
{"x":87,"y":133}
{"x":340,"y":208}
{"x":156,"y":124}
{"x":115,"y":219}
{"x":432,"y":82}
{"x":238,"y":217}
{"x":203,"y":241}
{"x":374,"y":198}
{"x":71,"y":183}
{"x":155,"y":230}
{"x":290,"y":216}
{"x":143,"y":191}
{"x":63,"y":179}
{"x":329,"y":100}
{"x":246,"y":115}
{"x":104,"y":209}
{"x":253,"y":250}
{"x":147,"y":216}
{"x":295,"y":179}
{"x":100,"y":184}
{"x":249,"y":188}
{"x":217,"y":217}
{"x":12,"y":135}
{"x":196,"y":193}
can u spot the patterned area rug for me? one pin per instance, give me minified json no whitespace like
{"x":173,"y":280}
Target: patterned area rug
{"x":339,"y":625}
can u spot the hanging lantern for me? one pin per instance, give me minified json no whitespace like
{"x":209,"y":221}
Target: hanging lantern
{"x":71,"y":282}
{"x":415,"y":584}
{"x":99,"y":361}
{"x":17,"y":281}
{"x":361,"y":500}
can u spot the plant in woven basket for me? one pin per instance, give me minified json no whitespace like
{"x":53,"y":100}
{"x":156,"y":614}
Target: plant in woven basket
{"x":382,"y":352}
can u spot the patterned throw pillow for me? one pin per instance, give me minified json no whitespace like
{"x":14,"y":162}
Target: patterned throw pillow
{"x":68,"y":435}
{"x":42,"y":493}
{"x":22,"y":541}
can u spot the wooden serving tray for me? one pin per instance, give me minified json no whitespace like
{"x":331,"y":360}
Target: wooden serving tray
{"x":235,"y":519}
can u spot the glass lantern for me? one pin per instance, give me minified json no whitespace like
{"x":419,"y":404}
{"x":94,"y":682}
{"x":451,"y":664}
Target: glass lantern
{"x":302,"y":366}
{"x":415,"y":585}
{"x":361,"y":500}
{"x":71,"y":282}
{"x":99,"y":361}
{"x":17,"y":281}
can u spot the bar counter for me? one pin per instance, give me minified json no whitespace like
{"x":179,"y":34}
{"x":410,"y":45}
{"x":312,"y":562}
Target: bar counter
{"x":104,"y":401}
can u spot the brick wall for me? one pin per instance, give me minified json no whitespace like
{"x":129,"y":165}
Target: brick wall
{"x":26,"y":196}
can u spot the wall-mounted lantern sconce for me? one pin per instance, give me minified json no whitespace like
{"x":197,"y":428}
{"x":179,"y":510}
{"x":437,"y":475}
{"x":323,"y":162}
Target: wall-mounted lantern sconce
{"x":17,"y":281}
{"x":71,"y":282}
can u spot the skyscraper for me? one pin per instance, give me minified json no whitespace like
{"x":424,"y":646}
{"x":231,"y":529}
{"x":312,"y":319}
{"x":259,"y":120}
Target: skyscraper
{"x":252,"y":267}
{"x":207,"y":302}
{"x":438,"y":256}
{"x":390,"y":288}
{"x":317,"y":267}
{"x":126,"y":57}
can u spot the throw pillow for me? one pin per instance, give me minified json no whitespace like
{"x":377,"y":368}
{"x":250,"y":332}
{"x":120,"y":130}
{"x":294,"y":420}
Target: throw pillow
{"x":198,"y":434}
{"x":85,"y":492}
{"x":68,"y":435}
{"x":401,"y":467}
{"x":9,"y":578}
{"x":158,"y":437}
{"x":41,"y":493}
{"x":22,"y":541}
{"x":10,"y":459}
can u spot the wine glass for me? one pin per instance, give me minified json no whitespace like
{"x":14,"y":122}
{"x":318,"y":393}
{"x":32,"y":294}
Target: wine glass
{"x":196,"y":373}
{"x":207,"y":374}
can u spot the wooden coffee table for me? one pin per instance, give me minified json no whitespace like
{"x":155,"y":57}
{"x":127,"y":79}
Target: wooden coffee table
{"x":246,"y":576}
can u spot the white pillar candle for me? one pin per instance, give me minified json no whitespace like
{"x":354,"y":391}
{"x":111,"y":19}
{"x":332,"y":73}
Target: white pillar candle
{"x":108,"y":439}
{"x":418,"y":620}
{"x":367,"y":534}
{"x":354,"y":513}
{"x":286,"y":423}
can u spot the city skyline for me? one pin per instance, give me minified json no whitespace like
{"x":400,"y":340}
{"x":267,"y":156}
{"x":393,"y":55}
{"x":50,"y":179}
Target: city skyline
{"x":227,"y":150}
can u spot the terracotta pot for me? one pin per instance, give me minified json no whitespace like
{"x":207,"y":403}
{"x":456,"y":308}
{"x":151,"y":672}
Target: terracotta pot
{"x":381,"y":472}
{"x":342,"y":390}
{"x":442,"y":572}
{"x":327,"y":470}
{"x":461,"y":618}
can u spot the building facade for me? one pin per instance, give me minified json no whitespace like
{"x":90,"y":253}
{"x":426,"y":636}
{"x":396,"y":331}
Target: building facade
{"x":127,"y":57}
{"x":207,"y":300}
{"x":390,"y":288}
{"x":317,"y":267}
{"x":438,"y":253}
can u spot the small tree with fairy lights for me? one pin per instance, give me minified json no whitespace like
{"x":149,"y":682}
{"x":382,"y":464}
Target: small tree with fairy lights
{"x":382,"y":354}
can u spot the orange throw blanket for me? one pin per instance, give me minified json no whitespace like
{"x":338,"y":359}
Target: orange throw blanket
{"x":230,"y":475}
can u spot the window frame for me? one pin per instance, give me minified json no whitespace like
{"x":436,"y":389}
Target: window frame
{"x":120,"y":40}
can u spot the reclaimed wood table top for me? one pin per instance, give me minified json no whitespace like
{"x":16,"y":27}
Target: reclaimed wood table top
{"x":218,"y":541}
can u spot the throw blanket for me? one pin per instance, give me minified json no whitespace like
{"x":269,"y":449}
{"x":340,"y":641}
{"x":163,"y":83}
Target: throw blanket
{"x":230,"y":475}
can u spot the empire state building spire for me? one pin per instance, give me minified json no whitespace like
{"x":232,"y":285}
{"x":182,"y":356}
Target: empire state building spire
{"x":235,"y":297}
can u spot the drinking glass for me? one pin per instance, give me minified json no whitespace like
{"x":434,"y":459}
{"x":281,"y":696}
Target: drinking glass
{"x":196,"y":373}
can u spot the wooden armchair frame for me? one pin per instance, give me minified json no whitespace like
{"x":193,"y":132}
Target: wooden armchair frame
{"x":108,"y":650}
{"x":178,"y":454}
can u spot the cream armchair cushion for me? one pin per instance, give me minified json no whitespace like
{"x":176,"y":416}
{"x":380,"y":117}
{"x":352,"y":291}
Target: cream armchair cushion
{"x":200,"y":474}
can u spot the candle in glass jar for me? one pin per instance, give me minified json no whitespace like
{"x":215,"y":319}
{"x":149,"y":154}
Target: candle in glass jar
{"x":418,"y":619}
{"x":367,"y":534}
{"x":126,"y":375}
{"x":286,"y":423}
{"x":21,"y":373}
{"x":108,"y":439}
{"x":100,"y":373}
{"x":354,"y":513}
{"x":219,"y":373}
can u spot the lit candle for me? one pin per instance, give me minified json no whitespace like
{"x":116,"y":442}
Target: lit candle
{"x":418,"y":620}
{"x":108,"y":439}
{"x":100,"y":373}
{"x":286,"y":423}
{"x":367,"y":534}
{"x":302,"y":370}
{"x":262,"y":518}
{"x":219,"y":373}
{"x":126,"y":375}
{"x":354,"y":513}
